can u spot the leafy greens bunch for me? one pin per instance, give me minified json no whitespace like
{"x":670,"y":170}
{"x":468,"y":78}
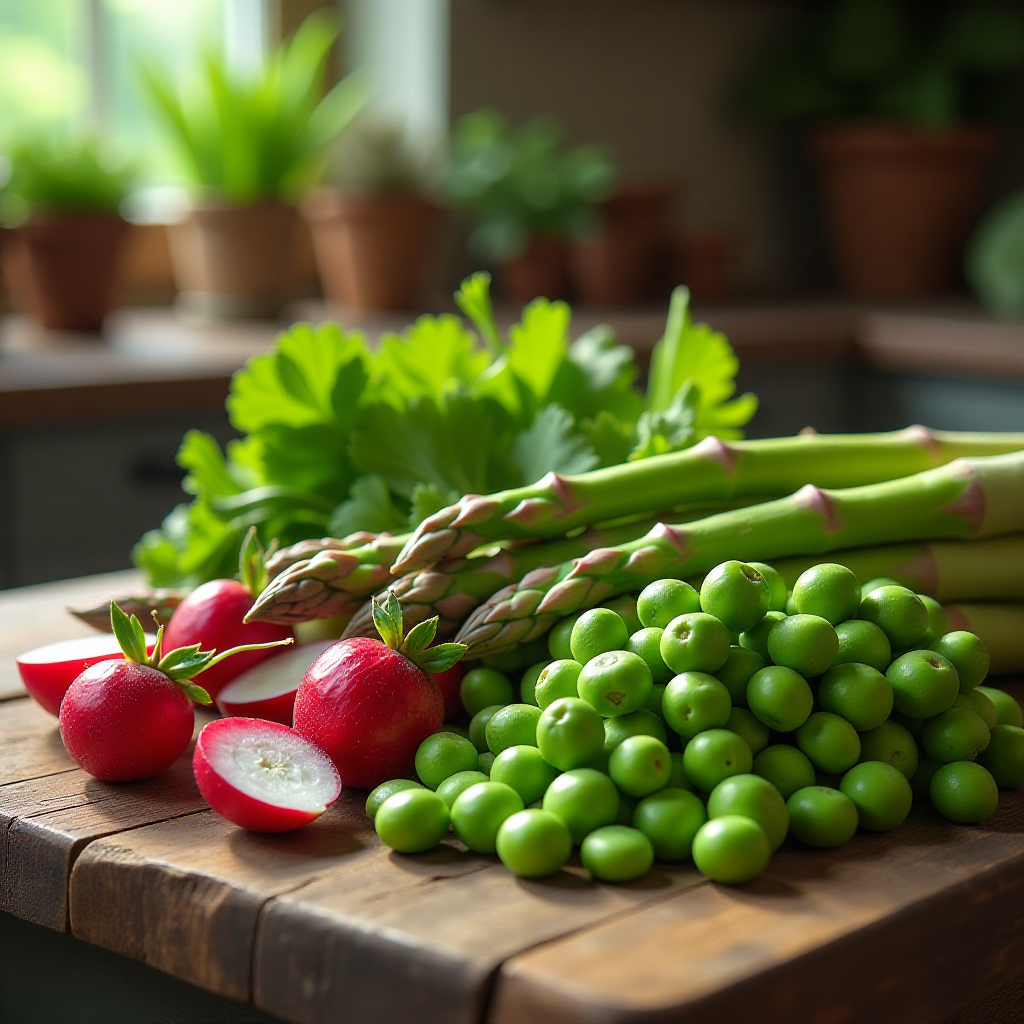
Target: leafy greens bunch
{"x":340,"y":437}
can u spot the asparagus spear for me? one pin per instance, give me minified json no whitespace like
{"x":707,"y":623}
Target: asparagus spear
{"x":711,"y":470}
{"x":141,"y":604}
{"x":1000,"y":627}
{"x":982,"y":570}
{"x":967,"y":498}
{"x":285,"y":558}
{"x":334,"y":581}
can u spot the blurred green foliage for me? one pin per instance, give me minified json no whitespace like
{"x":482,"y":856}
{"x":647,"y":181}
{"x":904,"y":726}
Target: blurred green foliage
{"x":925,"y":62}
{"x":523,"y":181}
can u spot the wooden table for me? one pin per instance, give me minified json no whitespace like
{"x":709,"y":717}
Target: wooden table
{"x":326,"y":924}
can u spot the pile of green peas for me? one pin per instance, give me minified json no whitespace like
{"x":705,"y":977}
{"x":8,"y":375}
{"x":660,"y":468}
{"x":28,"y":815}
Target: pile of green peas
{"x":709,"y":724}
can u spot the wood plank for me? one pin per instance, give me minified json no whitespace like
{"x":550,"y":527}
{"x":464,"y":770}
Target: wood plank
{"x":45,"y":822}
{"x":898,"y":927}
{"x":33,"y":616}
{"x":393,"y":939}
{"x":30,"y":744}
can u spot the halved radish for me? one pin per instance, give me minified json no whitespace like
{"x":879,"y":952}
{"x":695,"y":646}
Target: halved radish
{"x":48,"y":671}
{"x":268,"y":689}
{"x":262,"y":775}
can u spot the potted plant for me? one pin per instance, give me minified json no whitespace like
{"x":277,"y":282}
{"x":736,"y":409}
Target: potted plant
{"x":899,"y":94}
{"x":61,"y":203}
{"x":251,"y":148}
{"x":528,"y":194}
{"x":373,"y":224}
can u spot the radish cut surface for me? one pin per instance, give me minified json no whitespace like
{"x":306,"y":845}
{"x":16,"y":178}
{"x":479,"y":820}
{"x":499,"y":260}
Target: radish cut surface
{"x":271,"y":763}
{"x":86,"y":648}
{"x":272,"y":678}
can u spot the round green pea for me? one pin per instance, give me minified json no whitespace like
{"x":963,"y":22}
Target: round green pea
{"x":924,"y":684}
{"x":880,"y":581}
{"x":595,"y":632}
{"x":625,"y":607}
{"x":528,"y":684}
{"x":484,"y":763}
{"x":617,"y":853}
{"x":863,"y":642}
{"x":736,"y":594}
{"x":958,"y":734}
{"x":858,"y":693}
{"x":454,"y":786}
{"x":384,"y":790}
{"x":786,"y":768}
{"x":478,"y":726}
{"x":638,"y":723}
{"x":967,"y":654}
{"x":661,"y":602}
{"x":670,"y":818}
{"x":898,"y":612}
{"x":483,"y":688}
{"x":830,"y":591}
{"x":753,"y":797}
{"x":695,"y":642}
{"x":412,"y":820}
{"x":831,"y":743}
{"x":739,"y":666}
{"x":938,"y":620}
{"x":1008,"y":711}
{"x":678,"y":779}
{"x":557,"y":679}
{"x":695,"y":701}
{"x":745,"y":723}
{"x":442,"y":755}
{"x":1004,"y":756}
{"x":964,"y":792}
{"x":533,"y":843}
{"x":892,"y":743}
{"x":715,"y":755}
{"x":640,"y":765}
{"x":756,"y":639}
{"x":646,"y":643}
{"x":524,"y":769}
{"x":980,"y":704}
{"x":511,"y":726}
{"x":882,"y":795}
{"x":780,"y":697}
{"x":921,"y":780}
{"x":570,"y":733}
{"x":559,"y":636}
{"x":731,"y":849}
{"x":808,"y":644}
{"x":821,"y":817}
{"x":480,"y":811}
{"x":584,"y":799}
{"x":615,"y":683}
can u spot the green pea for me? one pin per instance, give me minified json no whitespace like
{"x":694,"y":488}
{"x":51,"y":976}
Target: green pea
{"x":858,"y":693}
{"x":528,"y":684}
{"x":863,"y":642}
{"x":383,"y":791}
{"x":981,"y":705}
{"x":640,"y":765}
{"x":646,"y":643}
{"x":440,"y":756}
{"x":780,"y":697}
{"x":831,"y":743}
{"x":595,"y":632}
{"x":670,"y":818}
{"x":638,"y":723}
{"x":678,"y":779}
{"x":625,"y":607}
{"x":533,"y":843}
{"x":584,"y":799}
{"x":882,"y":795}
{"x":715,"y":755}
{"x":921,"y":780}
{"x":570,"y":733}
{"x":924,"y":684}
{"x":695,"y":701}
{"x":1004,"y":756}
{"x":660,"y":602}
{"x":454,"y":786}
{"x":881,"y":581}
{"x":615,"y":683}
{"x":829,"y":591}
{"x":524,"y":769}
{"x":483,"y":688}
{"x":808,"y":644}
{"x":891,"y":743}
{"x":958,"y":734}
{"x":559,"y":636}
{"x":617,"y":853}
{"x":480,"y":811}
{"x":756,"y":639}
{"x":736,"y":594}
{"x":753,"y":797}
{"x":478,"y":726}
{"x":786,"y":768}
{"x":1008,"y":711}
{"x":821,"y":817}
{"x":967,"y":654}
{"x":557,"y":679}
{"x":776,"y":586}
{"x":938,"y":621}
{"x":743,"y":722}
{"x":512,"y":725}
{"x":696,"y":642}
{"x":739,"y":666}
{"x":731,"y":849}
{"x":964,"y":792}
{"x":412,"y":820}
{"x":899,"y":612}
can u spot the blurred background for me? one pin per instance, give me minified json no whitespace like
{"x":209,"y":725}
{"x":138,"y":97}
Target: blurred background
{"x":837,"y":182}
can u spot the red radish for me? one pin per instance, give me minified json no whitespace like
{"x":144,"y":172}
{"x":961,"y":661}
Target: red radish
{"x":130,"y":719}
{"x":267,"y":691}
{"x":448,"y":682}
{"x":48,"y":671}
{"x":369,"y":705}
{"x":263,"y":775}
{"x":213,"y":615}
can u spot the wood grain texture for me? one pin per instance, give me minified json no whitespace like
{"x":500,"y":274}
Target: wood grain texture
{"x":30,"y":744}
{"x":33,"y":616}
{"x":417,"y":939}
{"x":901,"y":926}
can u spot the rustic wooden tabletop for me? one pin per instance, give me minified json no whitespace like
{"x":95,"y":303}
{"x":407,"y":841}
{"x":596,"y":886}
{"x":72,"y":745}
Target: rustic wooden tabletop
{"x":326,"y":924}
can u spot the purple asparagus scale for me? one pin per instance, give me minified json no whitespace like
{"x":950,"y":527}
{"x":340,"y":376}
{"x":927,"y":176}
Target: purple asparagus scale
{"x":965,"y":499}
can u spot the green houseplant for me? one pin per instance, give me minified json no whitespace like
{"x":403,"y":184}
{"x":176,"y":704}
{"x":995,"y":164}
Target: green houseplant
{"x":251,"y":148}
{"x":62,"y":201}
{"x":527,"y":194}
{"x":897,"y":93}
{"x":373,"y":223}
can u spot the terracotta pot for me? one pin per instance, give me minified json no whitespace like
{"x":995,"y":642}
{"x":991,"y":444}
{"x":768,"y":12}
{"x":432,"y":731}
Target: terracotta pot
{"x":539,"y":270}
{"x":705,"y":264}
{"x":234,"y":261}
{"x":900,"y":203}
{"x":614,"y":266}
{"x":62,"y":267}
{"x":370,"y":249}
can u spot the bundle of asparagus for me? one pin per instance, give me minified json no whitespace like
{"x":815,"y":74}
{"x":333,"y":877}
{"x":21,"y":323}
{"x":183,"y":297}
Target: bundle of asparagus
{"x":864,"y":497}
